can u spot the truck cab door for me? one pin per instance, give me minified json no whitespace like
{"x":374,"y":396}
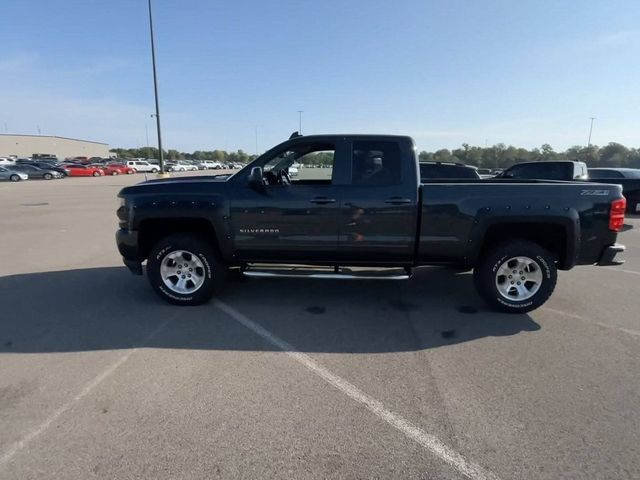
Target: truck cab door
{"x":379,"y":211}
{"x":294,"y":215}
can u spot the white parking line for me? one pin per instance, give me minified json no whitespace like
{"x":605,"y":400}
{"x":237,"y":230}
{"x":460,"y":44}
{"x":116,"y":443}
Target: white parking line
{"x":87,"y":389}
{"x":429,"y":442}
{"x":617,"y":269}
{"x":635,"y":333}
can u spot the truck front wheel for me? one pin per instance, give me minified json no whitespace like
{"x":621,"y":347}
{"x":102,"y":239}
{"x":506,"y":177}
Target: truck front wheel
{"x":516,"y":277}
{"x":184,"y":269}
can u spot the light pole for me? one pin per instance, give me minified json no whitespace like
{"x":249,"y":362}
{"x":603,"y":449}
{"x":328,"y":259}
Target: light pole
{"x":300,"y":121}
{"x":256,"y":140}
{"x":590,"y":130}
{"x":155,"y":91}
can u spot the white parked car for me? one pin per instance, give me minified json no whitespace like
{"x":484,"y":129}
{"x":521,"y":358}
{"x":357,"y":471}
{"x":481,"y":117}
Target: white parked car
{"x":181,"y":167}
{"x":143,"y":166}
{"x":210,"y":165}
{"x":294,"y":169}
{"x":7,"y":161}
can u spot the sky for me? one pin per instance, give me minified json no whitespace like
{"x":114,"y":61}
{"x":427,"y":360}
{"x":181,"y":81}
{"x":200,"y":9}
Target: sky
{"x":445,"y":72}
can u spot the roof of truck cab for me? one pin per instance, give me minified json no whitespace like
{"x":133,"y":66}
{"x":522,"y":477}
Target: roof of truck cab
{"x":349,"y":135}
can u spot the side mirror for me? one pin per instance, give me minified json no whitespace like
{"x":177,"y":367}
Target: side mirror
{"x":255,"y":177}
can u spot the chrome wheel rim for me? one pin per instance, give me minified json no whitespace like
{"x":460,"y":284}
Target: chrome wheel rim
{"x":519,"y":278}
{"x":182,"y":272}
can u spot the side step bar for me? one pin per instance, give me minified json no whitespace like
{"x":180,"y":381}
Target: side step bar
{"x":329,"y":275}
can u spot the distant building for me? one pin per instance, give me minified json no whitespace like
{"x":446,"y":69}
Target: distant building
{"x":62,"y":147}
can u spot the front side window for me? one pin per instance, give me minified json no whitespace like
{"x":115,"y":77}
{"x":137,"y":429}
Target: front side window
{"x":376,"y":163}
{"x":306,"y":164}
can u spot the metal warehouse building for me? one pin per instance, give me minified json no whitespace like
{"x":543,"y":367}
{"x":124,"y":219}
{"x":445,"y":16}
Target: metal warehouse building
{"x":62,"y":147}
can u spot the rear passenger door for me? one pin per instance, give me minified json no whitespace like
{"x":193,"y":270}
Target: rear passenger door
{"x":379,"y":208}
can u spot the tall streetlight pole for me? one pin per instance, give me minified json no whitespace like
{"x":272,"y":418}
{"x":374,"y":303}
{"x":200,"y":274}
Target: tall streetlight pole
{"x":256,"y":140}
{"x":300,"y":121}
{"x":590,"y":130}
{"x":155,"y":90}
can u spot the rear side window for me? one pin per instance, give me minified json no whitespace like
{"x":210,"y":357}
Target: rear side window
{"x":376,"y":163}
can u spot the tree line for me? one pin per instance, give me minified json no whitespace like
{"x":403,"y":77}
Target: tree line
{"x":495,"y":156}
{"x":502,"y":156}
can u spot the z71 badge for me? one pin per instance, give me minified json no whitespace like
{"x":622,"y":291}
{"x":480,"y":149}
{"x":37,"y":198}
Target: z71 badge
{"x":600,"y":193}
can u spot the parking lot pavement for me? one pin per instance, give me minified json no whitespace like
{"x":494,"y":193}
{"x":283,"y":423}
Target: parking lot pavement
{"x":299,"y":379}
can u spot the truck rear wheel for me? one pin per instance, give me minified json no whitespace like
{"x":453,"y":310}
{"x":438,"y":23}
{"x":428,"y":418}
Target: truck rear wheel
{"x":516,"y":277}
{"x":184,"y":269}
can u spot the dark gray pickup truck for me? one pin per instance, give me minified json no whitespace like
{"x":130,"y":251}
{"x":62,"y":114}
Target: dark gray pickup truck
{"x":337,"y":201}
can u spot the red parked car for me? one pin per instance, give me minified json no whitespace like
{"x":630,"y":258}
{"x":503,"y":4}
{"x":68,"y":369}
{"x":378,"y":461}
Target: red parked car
{"x":83,"y":170}
{"x":117,"y":169}
{"x":113,"y":168}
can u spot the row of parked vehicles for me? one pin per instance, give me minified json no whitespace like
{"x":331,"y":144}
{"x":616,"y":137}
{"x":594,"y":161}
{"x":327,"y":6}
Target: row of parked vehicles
{"x":50,"y":168}
{"x":628,"y":178}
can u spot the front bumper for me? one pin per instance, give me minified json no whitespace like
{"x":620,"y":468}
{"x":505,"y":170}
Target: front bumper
{"x":127,"y":241}
{"x":608,"y":256}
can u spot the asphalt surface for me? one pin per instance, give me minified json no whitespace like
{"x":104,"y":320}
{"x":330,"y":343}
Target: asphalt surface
{"x":299,"y":379}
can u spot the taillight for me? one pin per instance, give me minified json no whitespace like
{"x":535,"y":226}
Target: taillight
{"x":616,"y":215}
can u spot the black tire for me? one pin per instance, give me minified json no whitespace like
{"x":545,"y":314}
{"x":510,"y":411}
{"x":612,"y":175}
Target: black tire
{"x":96,"y":174}
{"x":213,"y":269}
{"x":486,"y":276}
{"x":114,"y":173}
{"x":15,"y":178}
{"x":48,"y":176}
{"x":154,"y":170}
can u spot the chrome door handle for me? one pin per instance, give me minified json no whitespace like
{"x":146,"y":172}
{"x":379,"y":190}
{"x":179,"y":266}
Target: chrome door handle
{"x":398,"y":201}
{"x":322,"y":200}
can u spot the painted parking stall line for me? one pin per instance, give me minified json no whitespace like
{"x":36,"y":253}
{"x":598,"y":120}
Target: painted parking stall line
{"x":428,"y":441}
{"x":7,"y":455}
{"x":623,"y":270}
{"x":628,"y":331}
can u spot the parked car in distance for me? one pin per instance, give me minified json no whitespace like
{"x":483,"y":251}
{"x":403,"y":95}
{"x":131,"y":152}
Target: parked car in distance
{"x":436,"y":170}
{"x":40,"y":156}
{"x":12,"y":175}
{"x":7,"y":161}
{"x":628,"y":178}
{"x":142,"y":166}
{"x":76,"y":170}
{"x":83,"y":160}
{"x":180,"y":167}
{"x":110,"y":169}
{"x":35,"y":172}
{"x":50,"y":166}
{"x":210,"y":165}
{"x":123,"y":169}
{"x":552,"y":170}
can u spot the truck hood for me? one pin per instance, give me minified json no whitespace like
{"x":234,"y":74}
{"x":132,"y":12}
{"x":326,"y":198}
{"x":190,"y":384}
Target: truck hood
{"x":195,"y":184}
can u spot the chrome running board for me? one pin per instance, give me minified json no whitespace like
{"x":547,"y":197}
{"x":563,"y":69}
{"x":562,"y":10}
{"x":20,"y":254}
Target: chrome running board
{"x":336,"y":274}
